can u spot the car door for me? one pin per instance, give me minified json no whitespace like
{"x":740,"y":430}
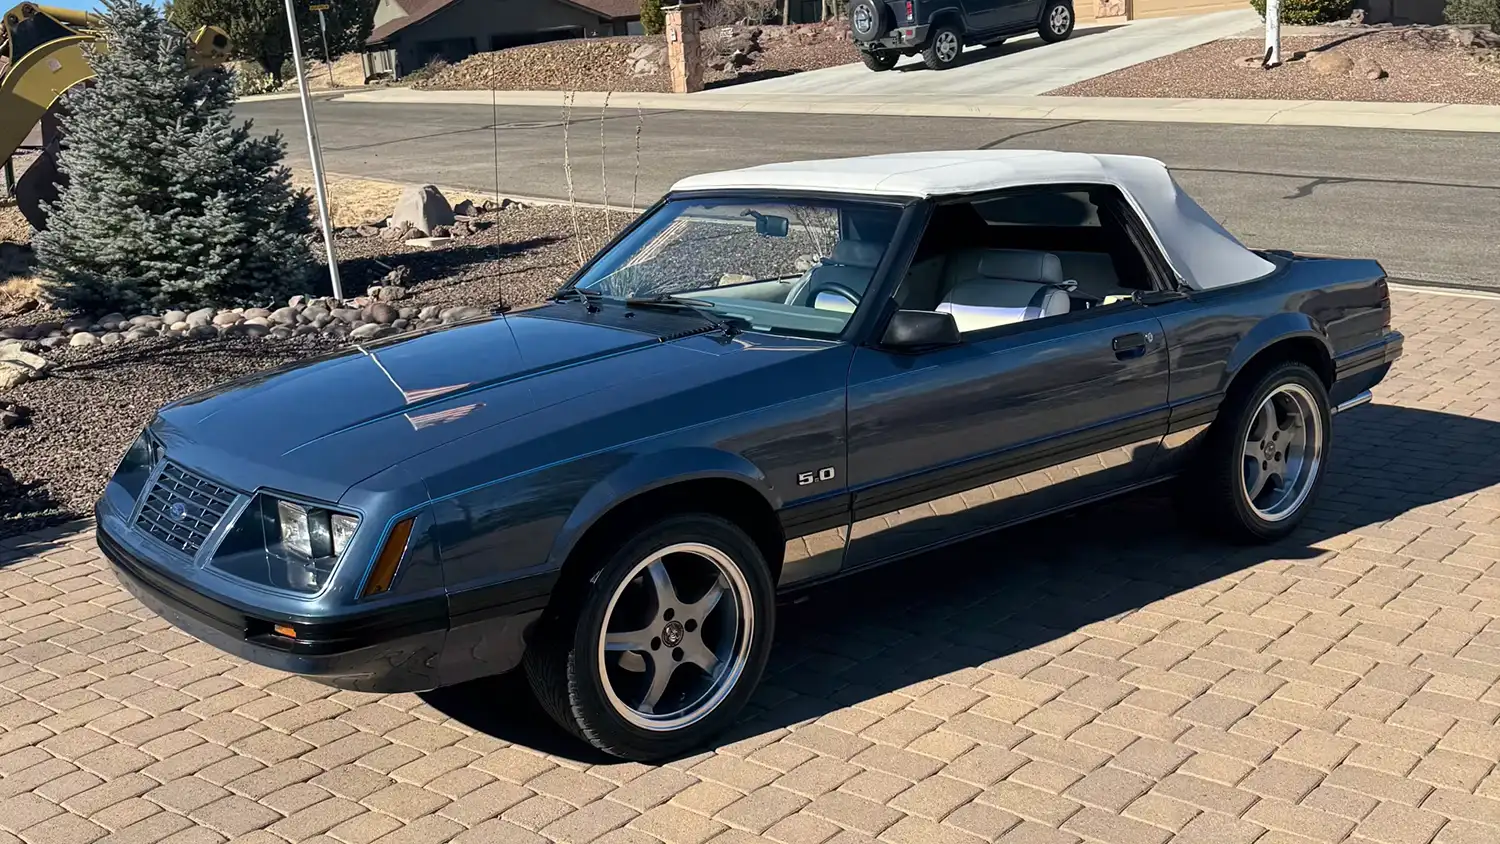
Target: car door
{"x":1009,"y":424}
{"x":983,"y":15}
{"x":1014,"y":14}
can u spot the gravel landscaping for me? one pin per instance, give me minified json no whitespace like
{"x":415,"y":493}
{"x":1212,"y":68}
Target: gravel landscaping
{"x":638,"y":63}
{"x":1404,"y":64}
{"x":93,"y":399}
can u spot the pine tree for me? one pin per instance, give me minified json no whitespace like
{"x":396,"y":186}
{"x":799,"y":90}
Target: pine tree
{"x":653,"y":20}
{"x":168,"y":201}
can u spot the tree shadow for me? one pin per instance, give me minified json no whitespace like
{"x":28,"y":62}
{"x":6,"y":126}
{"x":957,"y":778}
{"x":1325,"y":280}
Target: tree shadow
{"x":427,"y":266}
{"x":969,"y":605}
{"x":33,"y":520}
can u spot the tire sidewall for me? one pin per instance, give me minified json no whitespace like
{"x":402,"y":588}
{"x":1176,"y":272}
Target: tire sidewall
{"x":1232,"y":451}
{"x":931,"y":56}
{"x":590,"y":704}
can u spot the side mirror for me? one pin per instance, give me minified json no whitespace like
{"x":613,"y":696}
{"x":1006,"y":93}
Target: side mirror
{"x":910,"y":330}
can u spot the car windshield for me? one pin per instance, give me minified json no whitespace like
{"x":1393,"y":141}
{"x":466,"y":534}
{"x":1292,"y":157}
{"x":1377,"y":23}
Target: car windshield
{"x":784,"y":266}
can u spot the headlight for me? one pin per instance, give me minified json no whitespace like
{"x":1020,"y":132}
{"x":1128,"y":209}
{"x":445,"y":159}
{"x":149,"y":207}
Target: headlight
{"x":135,"y":467}
{"x":286,"y":544}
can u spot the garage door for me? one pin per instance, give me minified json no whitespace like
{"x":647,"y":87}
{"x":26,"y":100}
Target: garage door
{"x":1170,"y":8}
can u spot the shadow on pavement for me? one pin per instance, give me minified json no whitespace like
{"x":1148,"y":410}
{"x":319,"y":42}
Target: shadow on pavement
{"x":970,"y":604}
{"x":1010,"y":47}
{"x":358,"y":274}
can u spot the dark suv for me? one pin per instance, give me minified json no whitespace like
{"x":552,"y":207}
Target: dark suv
{"x":886,"y":30}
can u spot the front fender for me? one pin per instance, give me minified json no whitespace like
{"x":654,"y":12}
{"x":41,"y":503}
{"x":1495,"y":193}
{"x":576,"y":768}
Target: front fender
{"x":1288,"y":325}
{"x":648,"y":472}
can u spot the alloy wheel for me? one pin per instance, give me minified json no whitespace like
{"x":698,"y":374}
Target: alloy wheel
{"x":948,"y":46}
{"x":1282,"y":453}
{"x":677,"y":637}
{"x":1061,"y":19}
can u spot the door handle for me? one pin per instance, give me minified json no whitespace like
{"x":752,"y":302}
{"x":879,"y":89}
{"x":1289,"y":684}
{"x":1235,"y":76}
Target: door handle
{"x":1133,"y":345}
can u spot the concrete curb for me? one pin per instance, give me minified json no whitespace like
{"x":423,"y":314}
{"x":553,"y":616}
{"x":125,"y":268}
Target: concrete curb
{"x":1434,"y":117}
{"x":317,"y":95}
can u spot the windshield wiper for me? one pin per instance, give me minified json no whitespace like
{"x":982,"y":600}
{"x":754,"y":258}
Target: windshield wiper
{"x":667,"y":301}
{"x":588,"y":297}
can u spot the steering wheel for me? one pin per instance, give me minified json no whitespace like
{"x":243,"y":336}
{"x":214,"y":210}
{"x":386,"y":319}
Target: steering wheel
{"x":832,"y":287}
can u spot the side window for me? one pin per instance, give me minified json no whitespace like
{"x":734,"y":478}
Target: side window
{"x":1026,"y":255}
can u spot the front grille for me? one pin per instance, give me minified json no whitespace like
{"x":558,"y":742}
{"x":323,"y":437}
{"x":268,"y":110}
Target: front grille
{"x":186,"y":528}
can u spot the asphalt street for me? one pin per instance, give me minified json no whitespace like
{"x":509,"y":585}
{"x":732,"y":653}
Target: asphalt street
{"x":1426,"y":204}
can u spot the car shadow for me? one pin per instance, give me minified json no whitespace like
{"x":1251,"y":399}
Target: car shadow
{"x":967,"y":606}
{"x":1009,"y":48}
{"x":429,"y":269}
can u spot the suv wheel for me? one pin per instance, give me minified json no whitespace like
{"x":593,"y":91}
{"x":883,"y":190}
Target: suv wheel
{"x":880,"y":61}
{"x":1057,"y":21}
{"x":944,"y":48}
{"x":869,"y":20}
{"x":658,"y":651}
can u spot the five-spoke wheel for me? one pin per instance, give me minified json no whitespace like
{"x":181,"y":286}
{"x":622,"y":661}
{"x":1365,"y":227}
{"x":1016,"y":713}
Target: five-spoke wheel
{"x":656,"y":649}
{"x":1283,"y":452}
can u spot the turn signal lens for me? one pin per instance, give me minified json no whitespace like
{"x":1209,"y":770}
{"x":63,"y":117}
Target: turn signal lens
{"x":284,"y":630}
{"x":908,"y":11}
{"x":389,"y":560}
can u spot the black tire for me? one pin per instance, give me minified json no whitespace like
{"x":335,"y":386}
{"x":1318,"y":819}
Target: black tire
{"x":869,"y":20}
{"x":880,"y":61}
{"x":940,"y":52}
{"x":1214,"y":497}
{"x":563,"y":665}
{"x":1057,"y":21}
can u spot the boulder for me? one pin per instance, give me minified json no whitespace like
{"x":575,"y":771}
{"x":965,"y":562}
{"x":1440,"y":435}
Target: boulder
{"x":13,"y":375}
{"x":463,"y":312}
{"x":381,"y":313}
{"x":252,"y":313}
{"x":467,"y":208}
{"x":258,"y":328}
{"x":140,"y":333}
{"x":202,"y":316}
{"x":281,"y":332}
{"x":54,"y":342}
{"x":202,"y":331}
{"x":227,"y":318}
{"x":394,"y":232}
{"x":423,"y":208}
{"x":83,"y":338}
{"x":348,"y":316}
{"x":369,"y":331}
{"x":285,"y":316}
{"x":367,"y":231}
{"x":1331,"y":64}
{"x":397,"y":275}
{"x":392,"y":293}
{"x":1370,"y":69}
{"x":442,"y":231}
{"x":113,"y":338}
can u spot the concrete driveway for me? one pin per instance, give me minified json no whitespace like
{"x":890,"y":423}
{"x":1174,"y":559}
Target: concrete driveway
{"x":1024,"y":66}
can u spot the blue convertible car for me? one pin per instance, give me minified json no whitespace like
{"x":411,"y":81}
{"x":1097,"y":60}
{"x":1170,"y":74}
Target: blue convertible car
{"x":774,"y":377}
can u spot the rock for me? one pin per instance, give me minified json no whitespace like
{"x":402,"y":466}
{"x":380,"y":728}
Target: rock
{"x":394,"y":232}
{"x":739,"y":59}
{"x":281,"y":332}
{"x":467,"y":208}
{"x":462,"y":313}
{"x":314,"y":312}
{"x":25,"y":306}
{"x":113,"y":319}
{"x":401,"y":324}
{"x":113,"y":338}
{"x":1357,"y":17}
{"x":202,"y":316}
{"x":285,"y":316}
{"x":406,"y":313}
{"x":227,"y":318}
{"x":1370,"y":69}
{"x":254,"y":328}
{"x":234,"y":330}
{"x":381,"y":313}
{"x":429,"y":312}
{"x":13,"y":415}
{"x":423,"y":208}
{"x":252,"y":313}
{"x":346,"y":233}
{"x":261,"y":321}
{"x":304,"y":329}
{"x":348,"y":316}
{"x":392,"y":293}
{"x":180,"y":326}
{"x":1331,"y":64}
{"x":297,"y":301}
{"x":645,"y":51}
{"x":83,"y":338}
{"x":442,"y":231}
{"x":336,"y":331}
{"x":140,"y":333}
{"x":13,"y":375}
{"x":368,"y":331}
{"x":54,"y":342}
{"x":202,"y":331}
{"x":367,"y":231}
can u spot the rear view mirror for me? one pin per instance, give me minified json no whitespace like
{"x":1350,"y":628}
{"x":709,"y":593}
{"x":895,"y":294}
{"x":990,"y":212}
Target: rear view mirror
{"x":910,"y":330}
{"x":770,"y":225}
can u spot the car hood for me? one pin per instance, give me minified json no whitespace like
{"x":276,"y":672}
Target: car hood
{"x":320,"y":426}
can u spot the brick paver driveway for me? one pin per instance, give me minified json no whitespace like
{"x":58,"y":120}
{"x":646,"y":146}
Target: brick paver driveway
{"x":1103,"y":676}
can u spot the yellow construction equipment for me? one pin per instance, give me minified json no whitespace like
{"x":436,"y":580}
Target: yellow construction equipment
{"x":41,"y":57}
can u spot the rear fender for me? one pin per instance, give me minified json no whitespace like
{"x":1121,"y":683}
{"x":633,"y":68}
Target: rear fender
{"x":650,"y":472}
{"x":1282,"y":326}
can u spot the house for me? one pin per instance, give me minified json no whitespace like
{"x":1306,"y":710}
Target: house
{"x":410,"y":33}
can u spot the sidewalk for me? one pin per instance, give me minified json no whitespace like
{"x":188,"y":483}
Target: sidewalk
{"x":1419,"y":116}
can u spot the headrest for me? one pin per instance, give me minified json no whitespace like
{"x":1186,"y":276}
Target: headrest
{"x":1021,"y":265}
{"x":857,"y":253}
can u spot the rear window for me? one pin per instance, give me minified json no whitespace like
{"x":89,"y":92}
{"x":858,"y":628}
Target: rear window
{"x":1051,"y":209}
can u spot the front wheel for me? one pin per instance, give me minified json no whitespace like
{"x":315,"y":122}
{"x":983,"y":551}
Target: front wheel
{"x":659,"y":650}
{"x":943,"y":50}
{"x":1057,"y":21}
{"x":1265,"y":457}
{"x":879,"y":61}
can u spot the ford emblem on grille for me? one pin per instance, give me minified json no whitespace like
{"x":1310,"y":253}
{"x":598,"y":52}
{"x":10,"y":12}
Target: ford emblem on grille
{"x":177,"y":510}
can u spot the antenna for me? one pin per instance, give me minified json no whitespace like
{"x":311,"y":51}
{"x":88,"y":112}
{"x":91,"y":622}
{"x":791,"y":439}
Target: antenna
{"x":495,"y":138}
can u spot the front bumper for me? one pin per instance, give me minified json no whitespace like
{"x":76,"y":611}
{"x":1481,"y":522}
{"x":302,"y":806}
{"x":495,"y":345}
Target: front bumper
{"x":904,"y":38}
{"x":396,"y":648}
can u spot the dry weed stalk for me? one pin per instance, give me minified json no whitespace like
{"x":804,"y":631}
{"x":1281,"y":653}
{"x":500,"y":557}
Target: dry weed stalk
{"x":568,"y":174}
{"x":635,"y":184}
{"x":604,"y":164}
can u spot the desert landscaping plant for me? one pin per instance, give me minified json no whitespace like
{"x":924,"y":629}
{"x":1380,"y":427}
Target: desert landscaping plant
{"x":653,"y":20}
{"x":168,"y":200}
{"x":1308,"y":12}
{"x":1485,"y":12}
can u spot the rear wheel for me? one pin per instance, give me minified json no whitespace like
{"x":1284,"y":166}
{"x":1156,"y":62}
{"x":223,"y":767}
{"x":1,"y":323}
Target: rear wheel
{"x":879,"y":61}
{"x":1057,"y":21}
{"x":1265,"y":457}
{"x":659,"y":650}
{"x":944,"y":48}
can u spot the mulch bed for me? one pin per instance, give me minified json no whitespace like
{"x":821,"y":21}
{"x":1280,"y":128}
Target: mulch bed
{"x":97,"y":398}
{"x":604,"y":64}
{"x":1422,"y":69}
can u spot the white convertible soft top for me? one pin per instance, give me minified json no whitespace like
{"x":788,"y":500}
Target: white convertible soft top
{"x":1201,"y":252}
